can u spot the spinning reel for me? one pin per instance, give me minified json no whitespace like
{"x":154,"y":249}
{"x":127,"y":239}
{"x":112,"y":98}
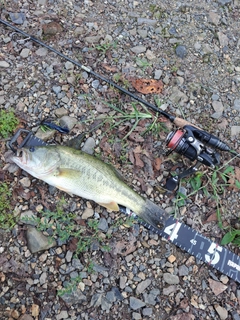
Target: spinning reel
{"x":196,"y":145}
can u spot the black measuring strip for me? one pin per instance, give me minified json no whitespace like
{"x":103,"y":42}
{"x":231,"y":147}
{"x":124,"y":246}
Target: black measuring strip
{"x":175,"y":231}
{"x":196,"y":244}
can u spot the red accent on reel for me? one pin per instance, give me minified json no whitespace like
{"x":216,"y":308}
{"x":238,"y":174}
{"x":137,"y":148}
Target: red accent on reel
{"x":176,"y":138}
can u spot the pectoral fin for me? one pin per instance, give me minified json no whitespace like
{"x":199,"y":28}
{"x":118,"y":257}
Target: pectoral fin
{"x":68,"y":174}
{"x":111,"y":206}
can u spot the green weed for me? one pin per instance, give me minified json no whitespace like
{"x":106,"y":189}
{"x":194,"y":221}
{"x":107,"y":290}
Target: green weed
{"x":116,"y":77}
{"x":128,"y":221}
{"x":70,"y":287}
{"x":213,"y":185}
{"x":8,"y":123}
{"x":143,"y":63}
{"x":90,"y":267}
{"x":63,"y":226}
{"x":7,"y":219}
{"x":123,"y":116}
{"x":156,"y":127}
{"x":174,"y":68}
{"x":104,"y":47}
{"x":232,"y":236}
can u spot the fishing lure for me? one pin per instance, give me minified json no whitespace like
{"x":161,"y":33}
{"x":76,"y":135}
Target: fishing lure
{"x":54,"y":126}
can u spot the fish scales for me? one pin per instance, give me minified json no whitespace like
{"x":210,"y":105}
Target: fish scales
{"x":81,"y":174}
{"x":99,"y":171}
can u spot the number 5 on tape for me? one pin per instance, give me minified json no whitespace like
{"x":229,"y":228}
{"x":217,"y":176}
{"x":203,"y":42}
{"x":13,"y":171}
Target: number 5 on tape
{"x":213,"y":250}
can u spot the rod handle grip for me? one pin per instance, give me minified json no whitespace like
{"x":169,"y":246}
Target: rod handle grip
{"x":179,"y":122}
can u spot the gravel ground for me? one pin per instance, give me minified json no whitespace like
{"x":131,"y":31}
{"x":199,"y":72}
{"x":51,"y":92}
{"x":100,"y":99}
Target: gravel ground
{"x":193,"y":47}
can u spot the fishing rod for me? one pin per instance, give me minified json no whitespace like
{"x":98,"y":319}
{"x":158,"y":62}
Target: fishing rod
{"x":189,"y":141}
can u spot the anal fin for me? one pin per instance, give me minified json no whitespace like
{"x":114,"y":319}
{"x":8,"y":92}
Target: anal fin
{"x":111,"y":205}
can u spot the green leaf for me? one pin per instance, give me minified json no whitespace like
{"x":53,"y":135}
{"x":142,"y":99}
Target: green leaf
{"x":228,"y":170}
{"x":206,"y":193}
{"x":219,"y":218}
{"x":237,"y":183}
{"x":214,"y":178}
{"x":181,"y":195}
{"x":223,"y":177}
{"x":225,"y":174}
{"x":236,"y":241}
{"x":228,"y":238}
{"x":196,"y":182}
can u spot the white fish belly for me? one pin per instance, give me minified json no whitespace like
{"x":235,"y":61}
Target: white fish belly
{"x":87,"y":189}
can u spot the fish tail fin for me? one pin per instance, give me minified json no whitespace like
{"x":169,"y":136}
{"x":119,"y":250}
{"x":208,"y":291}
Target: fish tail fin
{"x":153,"y":214}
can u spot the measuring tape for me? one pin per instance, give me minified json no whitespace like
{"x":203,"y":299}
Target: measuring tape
{"x":174,"y":231}
{"x":195,"y":244}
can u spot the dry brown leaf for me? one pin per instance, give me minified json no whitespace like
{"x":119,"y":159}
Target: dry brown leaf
{"x":131,"y":157}
{"x":105,"y":146}
{"x":237,"y":173}
{"x":72,"y":246}
{"x":117,"y":148}
{"x":157,"y":164}
{"x":146,"y":86}
{"x":109,"y":68}
{"x":138,"y":149}
{"x":136,"y":137}
{"x":52,"y":28}
{"x":212,"y":217}
{"x":19,"y":191}
{"x":139,"y":162}
{"x":148,"y":168}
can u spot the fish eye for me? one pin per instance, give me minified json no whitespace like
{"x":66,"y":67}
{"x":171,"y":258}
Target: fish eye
{"x":31,"y":149}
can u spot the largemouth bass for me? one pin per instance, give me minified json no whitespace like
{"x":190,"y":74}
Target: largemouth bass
{"x":84,"y":175}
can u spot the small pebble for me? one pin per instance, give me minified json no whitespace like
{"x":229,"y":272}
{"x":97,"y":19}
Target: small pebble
{"x":181,"y":51}
{"x":136,"y":304}
{"x":4,"y":64}
{"x":170,"y":278}
{"x":25,"y":53}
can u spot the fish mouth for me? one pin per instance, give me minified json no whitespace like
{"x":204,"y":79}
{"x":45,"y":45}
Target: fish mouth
{"x":35,"y":167}
{"x":21,"y":157}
